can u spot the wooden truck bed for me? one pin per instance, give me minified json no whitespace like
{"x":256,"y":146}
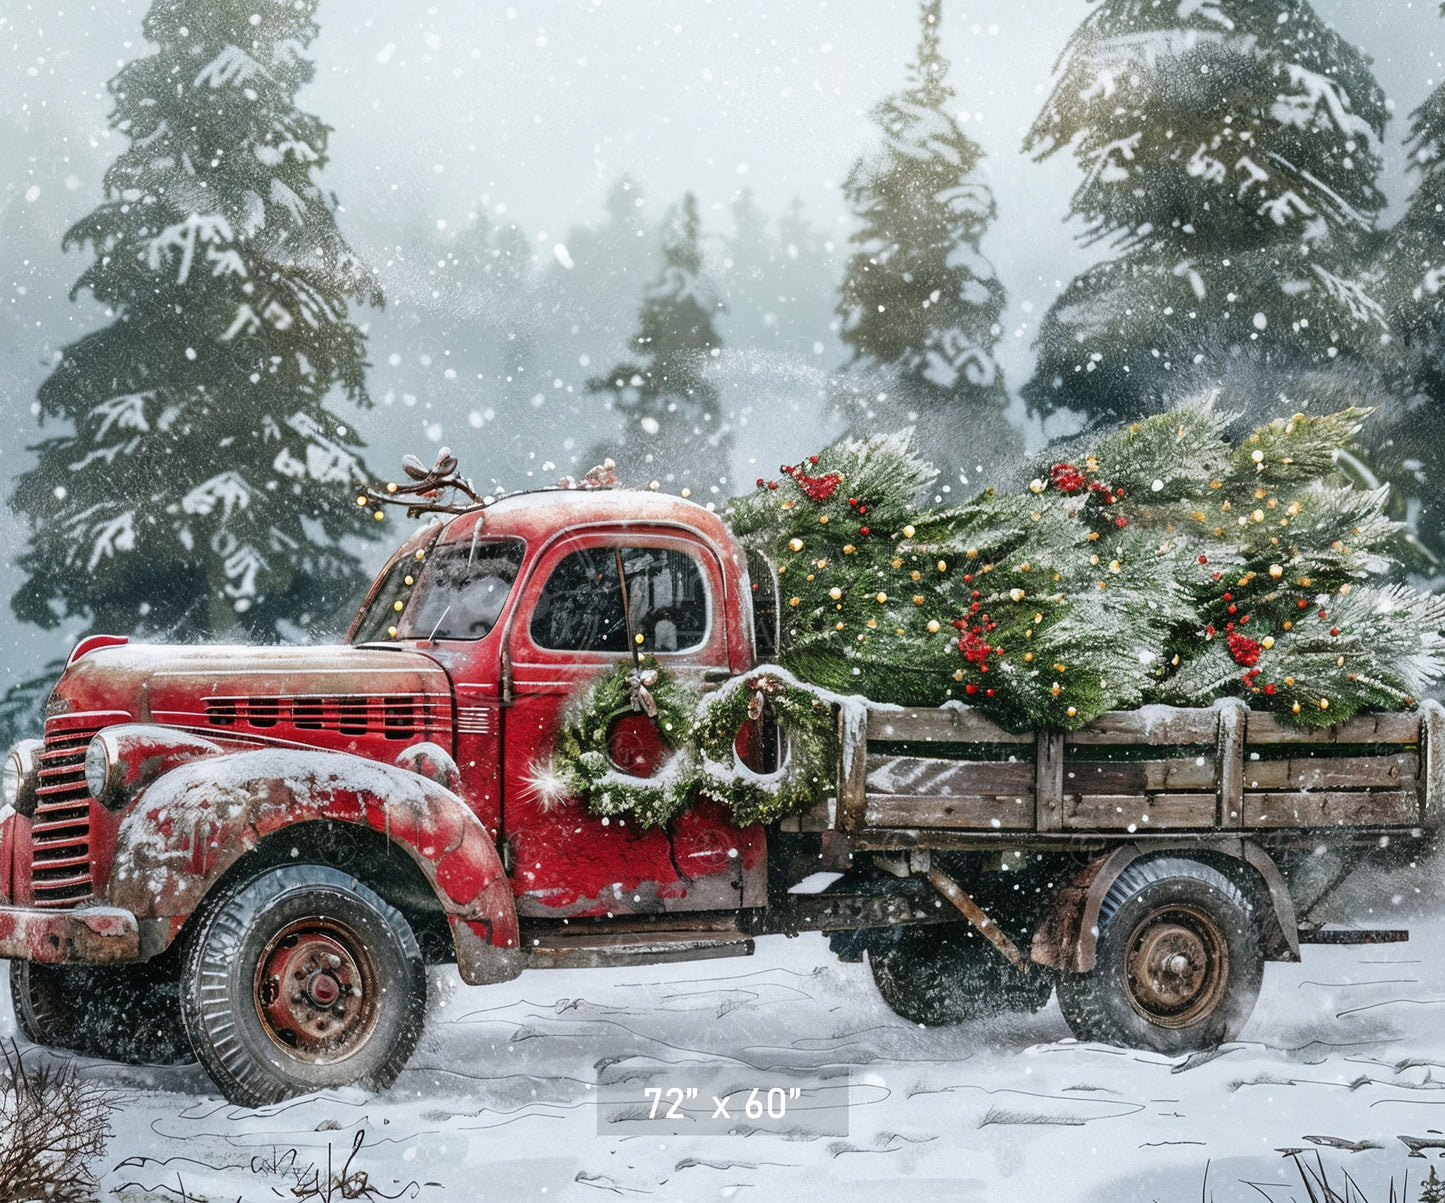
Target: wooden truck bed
{"x":949,"y":777}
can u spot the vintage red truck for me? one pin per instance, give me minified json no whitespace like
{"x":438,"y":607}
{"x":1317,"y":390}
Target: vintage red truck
{"x":252,"y":853}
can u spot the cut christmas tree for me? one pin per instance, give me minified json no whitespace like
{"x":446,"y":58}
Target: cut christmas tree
{"x":1163,"y":565}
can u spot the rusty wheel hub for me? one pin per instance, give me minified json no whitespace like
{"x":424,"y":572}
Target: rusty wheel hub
{"x":1177,"y":967}
{"x":316,"y":990}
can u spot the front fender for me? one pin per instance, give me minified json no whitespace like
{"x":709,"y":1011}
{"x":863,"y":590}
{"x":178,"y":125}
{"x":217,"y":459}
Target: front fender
{"x":184,"y":830}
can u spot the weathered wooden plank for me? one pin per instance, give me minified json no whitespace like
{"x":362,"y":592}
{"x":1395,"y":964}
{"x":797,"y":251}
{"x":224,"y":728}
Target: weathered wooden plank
{"x":1391,"y":727}
{"x":817,"y":817}
{"x":1138,"y":776}
{"x":1432,"y":769}
{"x":1138,"y":812}
{"x":1160,"y":725}
{"x":1329,"y":808}
{"x":1233,"y":723}
{"x":985,"y":812}
{"x":1397,"y":770}
{"x":949,"y":724}
{"x":852,"y":768}
{"x":1049,"y":782}
{"x":915,"y":775}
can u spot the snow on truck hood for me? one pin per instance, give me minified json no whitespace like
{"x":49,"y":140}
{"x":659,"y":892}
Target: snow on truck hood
{"x":162,"y":682}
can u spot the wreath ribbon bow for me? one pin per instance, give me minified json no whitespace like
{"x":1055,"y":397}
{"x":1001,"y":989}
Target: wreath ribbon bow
{"x":639,"y":690}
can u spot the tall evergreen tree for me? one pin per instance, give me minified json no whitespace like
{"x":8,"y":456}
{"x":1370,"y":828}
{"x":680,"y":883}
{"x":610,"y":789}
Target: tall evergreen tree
{"x":1230,"y":151}
{"x":920,"y":304}
{"x":664,"y":392}
{"x":203,"y":487}
{"x":1411,"y":278}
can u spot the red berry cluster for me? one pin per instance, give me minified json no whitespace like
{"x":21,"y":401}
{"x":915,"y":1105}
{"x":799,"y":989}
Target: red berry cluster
{"x":1244,"y":649}
{"x":817,"y":488}
{"x":858,"y":504}
{"x":1069,"y":479}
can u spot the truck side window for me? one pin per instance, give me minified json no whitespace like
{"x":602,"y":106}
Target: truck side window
{"x":580,"y":607}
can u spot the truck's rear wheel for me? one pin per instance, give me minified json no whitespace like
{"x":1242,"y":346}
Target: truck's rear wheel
{"x":299,"y":979}
{"x":949,"y":974}
{"x":1178,"y":964}
{"x":128,"y":1013}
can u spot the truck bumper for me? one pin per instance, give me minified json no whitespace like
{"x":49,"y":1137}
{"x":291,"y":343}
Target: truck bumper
{"x":85,"y":935}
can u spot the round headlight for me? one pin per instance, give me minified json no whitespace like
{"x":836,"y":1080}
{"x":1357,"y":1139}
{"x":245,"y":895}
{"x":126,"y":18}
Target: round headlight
{"x":102,"y":775}
{"x":20,"y":775}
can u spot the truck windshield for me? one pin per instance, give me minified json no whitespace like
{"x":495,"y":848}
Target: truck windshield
{"x":455,"y":591}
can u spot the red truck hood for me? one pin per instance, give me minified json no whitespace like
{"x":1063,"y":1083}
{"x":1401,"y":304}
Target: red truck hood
{"x":254,"y":690}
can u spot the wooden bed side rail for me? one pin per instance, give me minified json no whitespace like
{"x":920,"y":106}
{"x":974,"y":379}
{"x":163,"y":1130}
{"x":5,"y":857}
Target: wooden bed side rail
{"x":1253,"y":754}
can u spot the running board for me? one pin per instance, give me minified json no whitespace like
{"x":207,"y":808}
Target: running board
{"x":1352,"y":936}
{"x":555,"y":951}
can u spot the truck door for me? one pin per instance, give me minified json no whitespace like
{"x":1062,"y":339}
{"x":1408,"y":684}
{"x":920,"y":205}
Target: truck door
{"x":570,"y":626}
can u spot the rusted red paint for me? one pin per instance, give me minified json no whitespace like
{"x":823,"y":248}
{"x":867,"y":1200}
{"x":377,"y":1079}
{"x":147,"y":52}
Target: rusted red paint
{"x":188,"y":827}
{"x":7,"y":856}
{"x":79,"y":936}
{"x":1061,"y":940}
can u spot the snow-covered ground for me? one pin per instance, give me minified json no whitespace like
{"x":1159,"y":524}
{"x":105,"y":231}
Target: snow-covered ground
{"x":499,"y":1101}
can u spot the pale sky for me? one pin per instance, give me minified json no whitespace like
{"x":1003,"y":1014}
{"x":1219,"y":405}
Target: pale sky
{"x":541,"y":107}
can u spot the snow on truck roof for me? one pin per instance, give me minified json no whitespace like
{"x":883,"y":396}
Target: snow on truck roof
{"x":542,"y":511}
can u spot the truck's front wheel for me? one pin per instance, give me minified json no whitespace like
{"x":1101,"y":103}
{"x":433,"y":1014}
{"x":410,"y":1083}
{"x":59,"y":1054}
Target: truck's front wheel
{"x":299,"y":979}
{"x":1178,"y":963}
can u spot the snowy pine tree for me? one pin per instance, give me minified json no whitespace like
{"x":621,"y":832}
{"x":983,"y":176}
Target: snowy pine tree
{"x":204,"y":486}
{"x":673,"y":431}
{"x":920,"y":304}
{"x":1230,"y":151}
{"x":1411,"y":278}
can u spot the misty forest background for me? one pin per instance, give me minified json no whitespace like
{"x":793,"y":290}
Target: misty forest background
{"x":185,"y":466}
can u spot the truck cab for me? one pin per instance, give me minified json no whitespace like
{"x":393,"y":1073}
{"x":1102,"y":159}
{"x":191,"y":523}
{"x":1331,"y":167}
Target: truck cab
{"x":178,"y":789}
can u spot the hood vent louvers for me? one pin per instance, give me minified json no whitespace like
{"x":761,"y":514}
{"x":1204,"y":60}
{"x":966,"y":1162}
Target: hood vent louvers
{"x":393,"y":717}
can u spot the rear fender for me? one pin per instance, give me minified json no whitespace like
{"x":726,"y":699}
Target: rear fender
{"x":185,"y":829}
{"x":1068,"y":934}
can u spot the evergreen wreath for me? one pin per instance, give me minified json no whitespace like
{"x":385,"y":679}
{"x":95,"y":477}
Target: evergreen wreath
{"x":582,"y":766}
{"x":702,"y":734}
{"x":808,"y":767}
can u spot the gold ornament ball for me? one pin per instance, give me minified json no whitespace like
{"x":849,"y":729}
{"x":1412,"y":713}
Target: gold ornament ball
{"x":795,"y":545}
{"x":835,"y":593}
{"x":933,"y":626}
{"x":908,"y":532}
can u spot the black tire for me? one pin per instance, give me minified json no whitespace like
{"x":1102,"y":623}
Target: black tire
{"x":127,"y":1013}
{"x":949,"y":974}
{"x":299,"y":979}
{"x":1178,"y":965}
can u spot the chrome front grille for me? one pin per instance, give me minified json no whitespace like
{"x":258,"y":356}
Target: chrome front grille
{"x":60,"y":828}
